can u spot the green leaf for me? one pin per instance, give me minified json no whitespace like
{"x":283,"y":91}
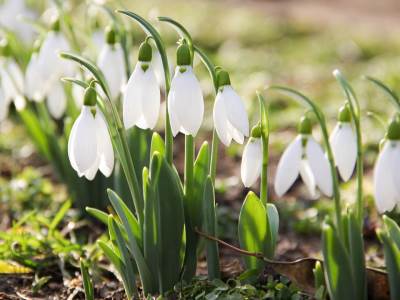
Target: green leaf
{"x":169,"y":199}
{"x":392,"y":260}
{"x":253,"y":228}
{"x":357,"y":259}
{"x":60,"y":215}
{"x":337,"y":265}
{"x":87,"y":282}
{"x":114,"y":258}
{"x":273,"y":222}
{"x":98,"y":214}
{"x":209,"y":226}
{"x":157,"y":144}
{"x":392,"y":229}
{"x":131,"y":227}
{"x":128,"y":270}
{"x":73,"y":80}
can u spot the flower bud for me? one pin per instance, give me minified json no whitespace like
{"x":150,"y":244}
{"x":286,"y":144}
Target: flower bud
{"x":111,"y":35}
{"x":304,"y":126}
{"x":256,"y":131}
{"x":393,"y":132}
{"x":90,"y":96}
{"x":223,"y":78}
{"x":145,"y":52}
{"x":344,"y":114}
{"x":183,"y":56}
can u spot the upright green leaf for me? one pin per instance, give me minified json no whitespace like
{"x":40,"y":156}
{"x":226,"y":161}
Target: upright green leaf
{"x":337,"y":265}
{"x":193,"y":210}
{"x":209,"y":226}
{"x":157,"y":144}
{"x":170,"y":220}
{"x":253,"y":229}
{"x":87,"y":282}
{"x":392,"y":260}
{"x":393,"y":230}
{"x":273,"y":222}
{"x":357,"y":259}
{"x":130,"y":223}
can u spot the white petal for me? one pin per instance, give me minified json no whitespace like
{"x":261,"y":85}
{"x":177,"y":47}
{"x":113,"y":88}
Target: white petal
{"x":307,"y":177}
{"x":34,"y":82}
{"x":90,"y":174}
{"x":56,"y":100}
{"x":236,"y":111}
{"x":344,"y":147}
{"x":385,"y":191}
{"x":141,"y":99}
{"x":320,"y":166}
{"x":221,"y":123}
{"x":251,"y":162}
{"x":288,"y":167}
{"x":111,"y":63}
{"x":3,"y":106}
{"x":105,"y":148}
{"x":185,"y":101}
{"x":84,"y":142}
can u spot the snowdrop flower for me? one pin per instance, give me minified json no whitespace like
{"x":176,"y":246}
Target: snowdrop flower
{"x":344,"y":144}
{"x":304,"y":157}
{"x":250,"y":168}
{"x":386,"y":171}
{"x":111,"y":63}
{"x":10,"y":12}
{"x":141,"y":103}
{"x":185,"y":99}
{"x":89,"y":145}
{"x":56,"y":100}
{"x":51,"y":66}
{"x":230,"y":116}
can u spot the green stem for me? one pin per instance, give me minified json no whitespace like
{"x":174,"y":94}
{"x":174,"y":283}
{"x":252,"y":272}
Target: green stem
{"x":189,"y":163}
{"x":321,"y":120}
{"x":355,"y":113}
{"x":167,"y":76}
{"x":265,"y":155}
{"x":215,"y":142}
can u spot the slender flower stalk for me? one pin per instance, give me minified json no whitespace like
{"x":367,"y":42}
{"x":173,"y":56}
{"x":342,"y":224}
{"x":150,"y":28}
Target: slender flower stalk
{"x":354,"y":106}
{"x":264,"y":131}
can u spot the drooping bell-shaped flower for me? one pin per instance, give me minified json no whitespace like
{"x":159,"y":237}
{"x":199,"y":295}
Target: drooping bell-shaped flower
{"x":386,"y":171}
{"x":141,"y":103}
{"x":34,"y":81}
{"x":12,"y":81}
{"x":52,"y":67}
{"x":89,"y":145}
{"x":250,"y":168}
{"x":344,"y":144}
{"x":185,"y":99}
{"x":111,"y":63}
{"x":304,"y":157}
{"x":56,"y":100}
{"x":230,"y":116}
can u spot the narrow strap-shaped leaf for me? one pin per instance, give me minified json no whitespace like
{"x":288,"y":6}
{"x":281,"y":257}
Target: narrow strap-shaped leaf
{"x":253,"y":229}
{"x":87,"y":282}
{"x":357,"y":259}
{"x":157,"y":144}
{"x":338,"y":272}
{"x":273,"y":224}
{"x":127,"y":219}
{"x":209,"y":226}
{"x":128,"y":269}
{"x":393,"y":230}
{"x":98,"y":214}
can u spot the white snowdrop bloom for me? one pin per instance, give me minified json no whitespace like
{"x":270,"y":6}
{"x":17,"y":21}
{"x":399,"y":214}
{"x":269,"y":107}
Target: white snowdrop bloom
{"x":250,"y":168}
{"x":159,"y":68}
{"x":52,"y":67}
{"x":343,"y":141}
{"x":12,"y":86}
{"x":89,"y":145}
{"x":111,"y":63}
{"x":34,"y":81}
{"x":304,"y":157}
{"x":185,"y":98}
{"x":386,"y":171}
{"x":141,"y":104}
{"x":230,"y":116}
{"x":10,"y":13}
{"x":56,"y":100}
